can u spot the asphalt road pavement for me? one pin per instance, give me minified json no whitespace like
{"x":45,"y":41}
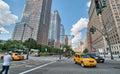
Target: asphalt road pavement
{"x":47,"y":65}
{"x":68,"y":67}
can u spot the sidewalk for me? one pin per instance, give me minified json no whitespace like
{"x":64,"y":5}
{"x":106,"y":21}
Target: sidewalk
{"x":108,"y":58}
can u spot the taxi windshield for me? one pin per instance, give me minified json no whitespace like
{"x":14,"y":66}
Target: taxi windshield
{"x":84,"y":56}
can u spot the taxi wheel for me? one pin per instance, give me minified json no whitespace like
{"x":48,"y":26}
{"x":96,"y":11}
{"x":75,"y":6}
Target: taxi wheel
{"x":75,"y":62}
{"x":82,"y":64}
{"x":94,"y":66}
{"x":1,"y":57}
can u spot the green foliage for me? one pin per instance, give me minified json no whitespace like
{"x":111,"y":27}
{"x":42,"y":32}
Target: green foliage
{"x":1,"y":46}
{"x":68,"y":48}
{"x":85,"y":51}
{"x":68,"y":51}
{"x":50,"y":50}
{"x":30,"y":43}
{"x":11,"y":45}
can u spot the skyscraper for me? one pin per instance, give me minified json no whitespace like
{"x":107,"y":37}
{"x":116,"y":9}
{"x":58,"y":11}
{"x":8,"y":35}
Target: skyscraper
{"x":62,"y":34}
{"x":18,"y":31}
{"x":36,"y":15}
{"x":54,"y":30}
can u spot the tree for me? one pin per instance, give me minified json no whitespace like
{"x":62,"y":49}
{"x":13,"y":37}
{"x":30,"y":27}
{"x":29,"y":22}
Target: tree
{"x":31,"y":44}
{"x":68,"y":50}
{"x":1,"y":45}
{"x":12,"y":44}
{"x":85,"y":50}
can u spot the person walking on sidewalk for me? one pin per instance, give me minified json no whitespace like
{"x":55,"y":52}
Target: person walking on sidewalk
{"x":6,"y":63}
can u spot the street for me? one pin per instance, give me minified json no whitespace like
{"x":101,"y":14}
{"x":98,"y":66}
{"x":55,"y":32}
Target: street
{"x":45,"y":65}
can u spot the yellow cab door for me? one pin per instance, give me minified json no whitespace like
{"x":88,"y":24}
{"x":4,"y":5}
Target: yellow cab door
{"x":75,"y":57}
{"x":79,"y":59}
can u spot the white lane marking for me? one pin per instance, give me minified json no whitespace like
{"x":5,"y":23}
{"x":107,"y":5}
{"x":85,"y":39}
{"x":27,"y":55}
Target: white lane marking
{"x":37,"y":67}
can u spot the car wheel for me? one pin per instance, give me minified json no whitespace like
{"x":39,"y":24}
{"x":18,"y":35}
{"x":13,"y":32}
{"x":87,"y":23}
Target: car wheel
{"x":102,"y":61}
{"x":94,"y":66}
{"x":75,"y":61}
{"x":82,"y":64}
{"x":2,"y":57}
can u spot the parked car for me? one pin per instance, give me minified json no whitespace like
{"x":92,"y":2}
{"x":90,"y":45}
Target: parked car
{"x":99,"y":59}
{"x":84,"y":60}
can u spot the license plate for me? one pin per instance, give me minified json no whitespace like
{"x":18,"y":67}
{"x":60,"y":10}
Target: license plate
{"x":92,"y":64}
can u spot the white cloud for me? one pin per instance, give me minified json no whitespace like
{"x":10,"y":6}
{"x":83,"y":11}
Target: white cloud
{"x":3,"y":30}
{"x":76,"y":28}
{"x":6,"y":17}
{"x":88,"y":4}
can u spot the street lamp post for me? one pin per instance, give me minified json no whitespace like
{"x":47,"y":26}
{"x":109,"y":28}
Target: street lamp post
{"x":30,"y":40}
{"x":60,"y":52}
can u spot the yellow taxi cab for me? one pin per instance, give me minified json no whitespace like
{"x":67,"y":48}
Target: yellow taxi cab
{"x":1,"y":56}
{"x":84,"y":60}
{"x":17,"y":56}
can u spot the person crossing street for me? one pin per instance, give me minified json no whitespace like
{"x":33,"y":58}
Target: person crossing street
{"x":6,"y":63}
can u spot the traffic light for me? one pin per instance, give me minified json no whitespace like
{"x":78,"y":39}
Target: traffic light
{"x":100,"y":4}
{"x":92,"y":29}
{"x":97,"y":4}
{"x":98,"y":7}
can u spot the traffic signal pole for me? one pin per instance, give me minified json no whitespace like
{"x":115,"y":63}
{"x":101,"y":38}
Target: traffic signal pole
{"x":106,"y":35}
{"x":100,"y":4}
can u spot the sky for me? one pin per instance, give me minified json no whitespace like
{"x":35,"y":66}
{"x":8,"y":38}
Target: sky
{"x":73,"y":13}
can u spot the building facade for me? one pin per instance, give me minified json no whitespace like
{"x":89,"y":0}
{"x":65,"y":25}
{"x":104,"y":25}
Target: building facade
{"x":94,"y":40}
{"x":111,"y":17}
{"x":36,"y":19}
{"x":111,"y":21}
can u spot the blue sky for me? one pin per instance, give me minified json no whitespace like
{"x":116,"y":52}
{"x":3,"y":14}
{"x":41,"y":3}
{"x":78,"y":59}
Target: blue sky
{"x":73,"y":13}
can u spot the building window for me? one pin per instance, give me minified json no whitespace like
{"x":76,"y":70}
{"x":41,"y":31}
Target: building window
{"x":118,"y":19}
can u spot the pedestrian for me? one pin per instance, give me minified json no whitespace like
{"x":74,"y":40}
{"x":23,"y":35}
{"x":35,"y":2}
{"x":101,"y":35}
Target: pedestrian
{"x":6,"y":62}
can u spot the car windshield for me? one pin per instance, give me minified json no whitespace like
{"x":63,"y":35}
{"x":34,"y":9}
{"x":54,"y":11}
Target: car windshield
{"x":93,"y":55}
{"x":84,"y":56}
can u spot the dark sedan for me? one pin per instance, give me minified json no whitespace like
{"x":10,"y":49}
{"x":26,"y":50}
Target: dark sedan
{"x":99,"y":59}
